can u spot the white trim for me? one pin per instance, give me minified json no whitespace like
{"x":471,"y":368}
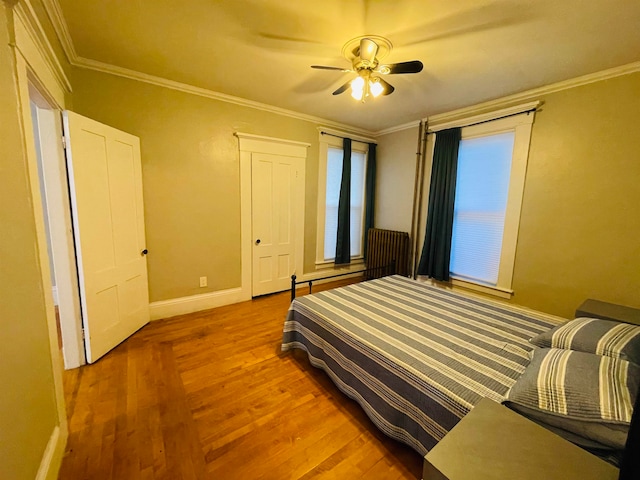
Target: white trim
{"x":22,"y":81}
{"x":340,"y":133}
{"x":249,"y":144}
{"x":324,"y":143}
{"x":24,"y":11}
{"x":521,"y":125}
{"x":467,"y":287}
{"x":398,"y":128}
{"x":330,"y":263}
{"x":487,"y":289}
{"x":37,"y":64}
{"x":526,"y":95}
{"x":262,"y":138}
{"x":54,"y":11}
{"x":435,"y":124}
{"x":204,"y":92}
{"x":54,"y":293}
{"x":63,"y":252}
{"x":62,"y":31}
{"x":52,"y":456}
{"x":246,"y":264}
{"x":195,"y":303}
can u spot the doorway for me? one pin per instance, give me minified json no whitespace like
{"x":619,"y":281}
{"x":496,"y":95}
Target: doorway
{"x":272,"y":186}
{"x":54,"y":194}
{"x":92,"y":210}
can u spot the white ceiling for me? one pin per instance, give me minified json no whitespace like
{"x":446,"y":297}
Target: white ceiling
{"x":261,"y":50}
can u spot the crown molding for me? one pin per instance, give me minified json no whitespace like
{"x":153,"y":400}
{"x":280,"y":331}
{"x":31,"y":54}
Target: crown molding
{"x":436,"y":123}
{"x":203,"y":92}
{"x":62,"y":31}
{"x":54,"y":11}
{"x":349,"y":133}
{"x":527,"y":95}
{"x":24,"y":10}
{"x":398,"y":128}
{"x":536,"y":93}
{"x":60,"y":26}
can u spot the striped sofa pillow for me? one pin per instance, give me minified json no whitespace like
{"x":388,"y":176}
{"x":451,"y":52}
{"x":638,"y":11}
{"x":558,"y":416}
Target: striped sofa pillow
{"x":594,"y":335}
{"x":588,"y":395}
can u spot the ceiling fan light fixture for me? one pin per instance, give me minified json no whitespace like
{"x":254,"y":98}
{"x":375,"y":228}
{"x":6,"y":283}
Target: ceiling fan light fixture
{"x":365,"y":54}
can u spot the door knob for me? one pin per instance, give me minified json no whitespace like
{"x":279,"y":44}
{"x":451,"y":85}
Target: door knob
{"x":258,"y":242}
{"x":144,"y":252}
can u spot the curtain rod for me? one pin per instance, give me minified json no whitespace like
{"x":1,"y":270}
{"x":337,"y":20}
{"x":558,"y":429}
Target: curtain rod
{"x":490,"y":120}
{"x":338,"y":136}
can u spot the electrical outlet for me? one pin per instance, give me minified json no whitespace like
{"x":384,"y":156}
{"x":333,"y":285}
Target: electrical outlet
{"x":203,"y":281}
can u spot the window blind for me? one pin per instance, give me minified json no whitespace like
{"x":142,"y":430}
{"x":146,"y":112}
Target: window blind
{"x":482,"y":185}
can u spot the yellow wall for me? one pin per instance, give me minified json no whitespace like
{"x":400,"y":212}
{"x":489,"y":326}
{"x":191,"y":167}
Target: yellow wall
{"x":580,"y":225}
{"x":28,"y":412}
{"x":190,"y":163}
{"x":579,"y":233}
{"x":396,"y":163}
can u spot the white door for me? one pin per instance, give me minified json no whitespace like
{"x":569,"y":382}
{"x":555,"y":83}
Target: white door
{"x":105,"y":182}
{"x":273,"y":187}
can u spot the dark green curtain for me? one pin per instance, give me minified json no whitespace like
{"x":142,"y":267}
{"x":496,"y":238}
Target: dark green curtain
{"x":436,"y":250}
{"x":369,"y":194}
{"x":343,"y":241}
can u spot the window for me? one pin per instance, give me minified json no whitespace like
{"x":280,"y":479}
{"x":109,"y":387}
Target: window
{"x":329,"y":179}
{"x":334,"y":178}
{"x":482,"y":184}
{"x":492,"y":161}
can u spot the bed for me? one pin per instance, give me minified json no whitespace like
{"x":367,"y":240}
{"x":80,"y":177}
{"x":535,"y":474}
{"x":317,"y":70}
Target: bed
{"x":416,"y":357}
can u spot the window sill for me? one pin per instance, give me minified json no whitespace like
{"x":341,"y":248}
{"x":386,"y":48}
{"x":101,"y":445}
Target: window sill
{"x":330,"y":263}
{"x":458,"y":284}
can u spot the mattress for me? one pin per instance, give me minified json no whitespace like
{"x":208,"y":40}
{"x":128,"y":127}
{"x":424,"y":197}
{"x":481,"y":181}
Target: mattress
{"x":416,"y":357}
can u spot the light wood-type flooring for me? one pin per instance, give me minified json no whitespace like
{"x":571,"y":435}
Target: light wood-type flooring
{"x":210,"y":396}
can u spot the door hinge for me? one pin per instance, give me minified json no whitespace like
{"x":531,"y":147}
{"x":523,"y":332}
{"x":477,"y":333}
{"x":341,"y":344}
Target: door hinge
{"x":64,"y":142}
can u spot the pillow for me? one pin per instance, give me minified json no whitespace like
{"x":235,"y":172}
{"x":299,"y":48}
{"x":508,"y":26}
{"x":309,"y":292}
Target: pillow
{"x":593,"y":335}
{"x":588,"y":395}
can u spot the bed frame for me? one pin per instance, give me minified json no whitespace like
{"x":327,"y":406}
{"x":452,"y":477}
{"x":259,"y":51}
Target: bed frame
{"x":367,"y":273}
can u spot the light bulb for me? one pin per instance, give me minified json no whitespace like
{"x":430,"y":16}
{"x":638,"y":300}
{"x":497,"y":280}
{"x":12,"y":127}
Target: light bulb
{"x":375,"y":87}
{"x":357,"y":88}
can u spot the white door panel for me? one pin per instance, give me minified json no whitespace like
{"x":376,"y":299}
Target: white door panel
{"x":105,"y":178}
{"x":273,"y":189}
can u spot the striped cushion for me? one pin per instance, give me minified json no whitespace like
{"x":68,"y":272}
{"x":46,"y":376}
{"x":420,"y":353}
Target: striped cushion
{"x":593,"y":335}
{"x":588,"y":395}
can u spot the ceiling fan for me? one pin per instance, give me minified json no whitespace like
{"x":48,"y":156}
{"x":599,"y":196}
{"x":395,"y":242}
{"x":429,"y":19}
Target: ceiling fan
{"x":365,"y":54}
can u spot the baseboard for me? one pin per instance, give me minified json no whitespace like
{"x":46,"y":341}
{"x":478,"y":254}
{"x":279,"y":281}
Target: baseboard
{"x":52,"y":457}
{"x":195,"y":303}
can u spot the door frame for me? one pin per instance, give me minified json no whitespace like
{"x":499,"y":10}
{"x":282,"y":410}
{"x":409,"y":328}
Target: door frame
{"x":36,"y":63}
{"x":48,"y":124}
{"x":250,"y":144}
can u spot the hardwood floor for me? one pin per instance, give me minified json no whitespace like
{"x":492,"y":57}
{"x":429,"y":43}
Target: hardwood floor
{"x":210,"y":396}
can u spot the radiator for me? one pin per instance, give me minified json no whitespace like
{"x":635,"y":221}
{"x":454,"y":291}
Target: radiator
{"x":385,"y":247}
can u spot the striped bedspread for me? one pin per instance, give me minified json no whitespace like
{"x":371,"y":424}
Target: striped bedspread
{"x":416,"y":357}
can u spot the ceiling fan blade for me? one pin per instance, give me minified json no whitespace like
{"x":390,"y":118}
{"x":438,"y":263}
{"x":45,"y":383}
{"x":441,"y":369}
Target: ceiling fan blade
{"x":325,"y":67}
{"x":343,"y":88}
{"x":388,"y":88}
{"x":368,"y":50}
{"x":414,"y":66}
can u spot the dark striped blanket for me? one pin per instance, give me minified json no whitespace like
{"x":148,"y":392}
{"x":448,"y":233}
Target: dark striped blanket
{"x":416,"y":357}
